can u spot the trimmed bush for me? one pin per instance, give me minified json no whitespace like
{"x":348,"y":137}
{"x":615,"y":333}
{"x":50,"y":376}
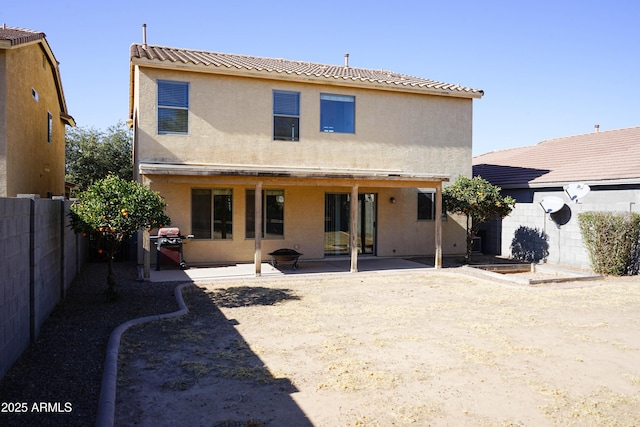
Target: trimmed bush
{"x":530,"y":244}
{"x":612,"y":240}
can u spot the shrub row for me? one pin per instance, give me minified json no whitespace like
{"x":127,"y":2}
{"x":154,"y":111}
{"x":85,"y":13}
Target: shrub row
{"x":612,"y":240}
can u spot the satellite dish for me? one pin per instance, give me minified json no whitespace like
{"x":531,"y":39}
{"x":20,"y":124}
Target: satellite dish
{"x":551,"y":204}
{"x":577,"y":191}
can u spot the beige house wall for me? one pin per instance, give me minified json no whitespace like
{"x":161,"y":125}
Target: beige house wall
{"x":30,"y":163}
{"x":231,"y":120}
{"x":230,"y":123}
{"x":399,"y":233}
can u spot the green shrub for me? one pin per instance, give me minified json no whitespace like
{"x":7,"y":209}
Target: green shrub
{"x":612,"y":240}
{"x":113,"y":209}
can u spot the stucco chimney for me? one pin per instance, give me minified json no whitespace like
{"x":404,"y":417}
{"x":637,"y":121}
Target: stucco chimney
{"x":144,"y":36}
{"x":346,"y":59}
{"x":597,"y":128}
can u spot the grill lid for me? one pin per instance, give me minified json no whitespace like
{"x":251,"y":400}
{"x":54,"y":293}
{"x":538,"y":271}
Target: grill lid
{"x":169,"y":232}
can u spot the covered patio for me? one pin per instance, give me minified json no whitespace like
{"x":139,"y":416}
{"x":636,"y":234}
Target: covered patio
{"x":259,"y":178}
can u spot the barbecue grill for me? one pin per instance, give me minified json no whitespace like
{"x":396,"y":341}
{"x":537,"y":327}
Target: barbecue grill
{"x":169,"y":247}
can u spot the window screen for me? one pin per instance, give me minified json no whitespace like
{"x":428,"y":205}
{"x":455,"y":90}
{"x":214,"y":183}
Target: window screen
{"x":272,"y":214}
{"x":337,"y":113}
{"x":286,"y":116}
{"x":212,"y":213}
{"x":49,"y":128}
{"x":173,"y":107}
{"x":426,"y":205}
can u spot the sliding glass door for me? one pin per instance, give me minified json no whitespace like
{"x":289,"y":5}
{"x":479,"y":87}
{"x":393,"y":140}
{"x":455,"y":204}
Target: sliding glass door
{"x":337,"y":223}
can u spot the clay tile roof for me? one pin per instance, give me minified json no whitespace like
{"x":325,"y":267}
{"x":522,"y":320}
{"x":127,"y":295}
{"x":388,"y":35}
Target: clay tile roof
{"x":294,"y":68}
{"x":11,"y":36}
{"x":597,"y":156}
{"x":17,"y":36}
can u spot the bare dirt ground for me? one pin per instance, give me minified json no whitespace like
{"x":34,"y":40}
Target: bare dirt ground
{"x":435,"y":348}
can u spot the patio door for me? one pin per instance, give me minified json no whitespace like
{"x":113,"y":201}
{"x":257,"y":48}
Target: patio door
{"x":336,"y":223}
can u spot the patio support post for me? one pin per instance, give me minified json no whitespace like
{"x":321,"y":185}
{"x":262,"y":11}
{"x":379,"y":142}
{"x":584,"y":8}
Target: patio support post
{"x":257,"y":258}
{"x":353,"y":228}
{"x":438,"y":230}
{"x":146,"y":253}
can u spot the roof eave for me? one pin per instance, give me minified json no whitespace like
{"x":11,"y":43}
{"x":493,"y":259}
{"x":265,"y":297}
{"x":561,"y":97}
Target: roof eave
{"x":53,"y":62}
{"x":555,"y":184}
{"x":68,"y":119}
{"x":155,"y":168}
{"x":302,"y":77}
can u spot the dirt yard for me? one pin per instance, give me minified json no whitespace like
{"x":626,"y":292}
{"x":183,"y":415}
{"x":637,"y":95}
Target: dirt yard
{"x":429,"y":349}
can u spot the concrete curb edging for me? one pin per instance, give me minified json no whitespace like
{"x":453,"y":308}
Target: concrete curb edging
{"x":107,"y":400}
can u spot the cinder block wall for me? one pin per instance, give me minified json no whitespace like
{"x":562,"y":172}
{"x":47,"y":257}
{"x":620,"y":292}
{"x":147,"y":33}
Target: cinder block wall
{"x":565,"y":240}
{"x":47,"y":259}
{"x":14,"y":280}
{"x":39,"y":258}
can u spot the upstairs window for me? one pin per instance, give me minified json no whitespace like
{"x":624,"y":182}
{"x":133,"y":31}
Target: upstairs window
{"x":337,"y":113}
{"x":173,"y":107}
{"x":286,"y":116}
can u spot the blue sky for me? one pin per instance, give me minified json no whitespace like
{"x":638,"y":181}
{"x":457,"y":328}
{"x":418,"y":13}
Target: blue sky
{"x":549,"y":68}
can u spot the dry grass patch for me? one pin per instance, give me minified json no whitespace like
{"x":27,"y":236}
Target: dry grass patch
{"x":412,"y":349}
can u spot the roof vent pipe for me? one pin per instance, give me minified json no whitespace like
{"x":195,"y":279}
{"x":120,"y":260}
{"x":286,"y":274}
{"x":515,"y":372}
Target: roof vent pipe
{"x":597,"y":128}
{"x":144,"y":36}
{"x":346,"y":59}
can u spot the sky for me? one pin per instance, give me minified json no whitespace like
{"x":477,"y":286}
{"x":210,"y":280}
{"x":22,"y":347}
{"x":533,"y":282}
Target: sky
{"x":548,"y":68}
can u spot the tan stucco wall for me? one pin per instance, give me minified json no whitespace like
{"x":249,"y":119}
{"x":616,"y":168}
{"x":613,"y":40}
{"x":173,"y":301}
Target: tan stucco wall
{"x":399,"y":233}
{"x":31,"y":164}
{"x":230,"y":122}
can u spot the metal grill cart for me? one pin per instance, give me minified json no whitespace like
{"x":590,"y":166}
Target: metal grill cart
{"x":169,"y":247}
{"x":285,"y":255}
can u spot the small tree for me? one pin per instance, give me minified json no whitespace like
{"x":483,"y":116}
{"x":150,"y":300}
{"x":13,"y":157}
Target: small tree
{"x":92,"y":154}
{"x":479,"y":201}
{"x":114,"y":209}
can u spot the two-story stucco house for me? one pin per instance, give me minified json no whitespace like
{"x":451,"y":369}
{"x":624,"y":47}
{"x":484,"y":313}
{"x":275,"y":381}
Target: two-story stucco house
{"x":33,"y":115}
{"x":256,"y":154}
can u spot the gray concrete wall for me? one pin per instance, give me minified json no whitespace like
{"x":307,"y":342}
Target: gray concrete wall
{"x":564,"y":239}
{"x":39,"y":257}
{"x":14,"y":280}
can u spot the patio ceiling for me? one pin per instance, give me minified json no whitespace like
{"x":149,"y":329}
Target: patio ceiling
{"x":247,"y":174}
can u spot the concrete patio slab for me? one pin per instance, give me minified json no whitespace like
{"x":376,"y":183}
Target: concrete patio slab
{"x":238,"y":271}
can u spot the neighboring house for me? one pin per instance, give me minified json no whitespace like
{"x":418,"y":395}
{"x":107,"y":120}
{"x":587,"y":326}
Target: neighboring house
{"x":298,"y":154}
{"x":33,"y":115}
{"x":607,"y":162}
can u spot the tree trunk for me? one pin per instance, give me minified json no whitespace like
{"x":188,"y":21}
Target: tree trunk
{"x":111,"y":292}
{"x":470,"y":232}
